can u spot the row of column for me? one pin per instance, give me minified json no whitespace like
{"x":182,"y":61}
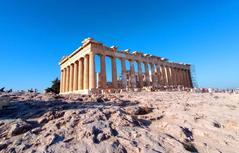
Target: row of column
{"x":81,"y":75}
{"x":172,"y":76}
{"x":160,"y":75}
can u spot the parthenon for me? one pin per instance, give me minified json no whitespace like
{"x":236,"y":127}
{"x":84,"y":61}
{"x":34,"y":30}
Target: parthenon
{"x":78,"y":70}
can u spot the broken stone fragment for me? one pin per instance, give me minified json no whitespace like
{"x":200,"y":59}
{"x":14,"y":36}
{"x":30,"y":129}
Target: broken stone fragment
{"x":19,"y":127}
{"x":37,"y":130}
{"x":50,"y":116}
{"x":116,"y":147}
{"x":138,"y":110}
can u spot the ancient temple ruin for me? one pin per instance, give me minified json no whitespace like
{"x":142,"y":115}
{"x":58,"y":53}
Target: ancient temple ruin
{"x":78,"y":72}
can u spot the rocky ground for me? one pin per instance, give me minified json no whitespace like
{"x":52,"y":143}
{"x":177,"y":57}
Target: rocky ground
{"x":133,"y":122}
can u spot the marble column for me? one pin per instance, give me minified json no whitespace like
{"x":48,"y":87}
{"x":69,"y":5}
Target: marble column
{"x":153,"y":74}
{"x":158,"y":74}
{"x":64,"y":87}
{"x":80,"y":73}
{"x":132,"y":74}
{"x":61,"y":82}
{"x":166,"y":75}
{"x":162,"y":75}
{"x":68,"y":79}
{"x":140,"y":74}
{"x":179,"y":76}
{"x":169,"y":75}
{"x":114,"y":73}
{"x":71,"y":76}
{"x":75,"y":82}
{"x":176,"y":76}
{"x":92,"y":75}
{"x":102,"y":72}
{"x":173,"y":76}
{"x":86,"y":72}
{"x":147,"y":73}
{"x":124,"y":79}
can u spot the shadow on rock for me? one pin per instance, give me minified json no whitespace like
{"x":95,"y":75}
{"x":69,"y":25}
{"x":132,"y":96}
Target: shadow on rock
{"x":36,"y":108}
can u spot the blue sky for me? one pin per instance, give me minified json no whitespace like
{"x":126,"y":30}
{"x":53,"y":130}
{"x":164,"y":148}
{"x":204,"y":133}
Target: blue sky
{"x":34,"y":35}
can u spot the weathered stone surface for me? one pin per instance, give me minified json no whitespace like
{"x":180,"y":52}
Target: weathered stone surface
{"x":19,"y":127}
{"x":3,"y":146}
{"x":130,"y":122}
{"x":116,"y":147}
{"x":138,"y":110}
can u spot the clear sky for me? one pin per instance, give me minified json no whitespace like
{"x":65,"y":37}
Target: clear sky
{"x":34,"y":35}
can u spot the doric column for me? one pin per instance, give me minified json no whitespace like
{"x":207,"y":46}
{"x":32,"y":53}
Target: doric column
{"x":102,"y":72}
{"x":179,"y":76}
{"x":173,"y":69}
{"x":140,"y":74}
{"x":114,"y":73}
{"x":64,"y":83}
{"x":68,"y":79}
{"x":92,"y":78}
{"x":80,"y":73}
{"x":65,"y":80}
{"x":170,"y":75}
{"x":75,"y":82}
{"x":71,"y":76}
{"x":174,"y":76}
{"x":123,"y":67}
{"x":132,"y":74}
{"x":158,"y":74}
{"x":152,"y":72}
{"x":61,"y":82}
{"x":162,"y":75}
{"x":166,"y":75}
{"x":147,"y":73}
{"x":154,"y":83}
{"x":86,"y":72}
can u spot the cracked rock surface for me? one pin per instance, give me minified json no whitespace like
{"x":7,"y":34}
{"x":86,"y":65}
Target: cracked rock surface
{"x":132,"y":122}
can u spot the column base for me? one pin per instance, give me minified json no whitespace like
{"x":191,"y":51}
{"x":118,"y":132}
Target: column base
{"x":82,"y":92}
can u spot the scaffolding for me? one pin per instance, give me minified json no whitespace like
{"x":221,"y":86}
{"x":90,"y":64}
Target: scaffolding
{"x":194,"y":76}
